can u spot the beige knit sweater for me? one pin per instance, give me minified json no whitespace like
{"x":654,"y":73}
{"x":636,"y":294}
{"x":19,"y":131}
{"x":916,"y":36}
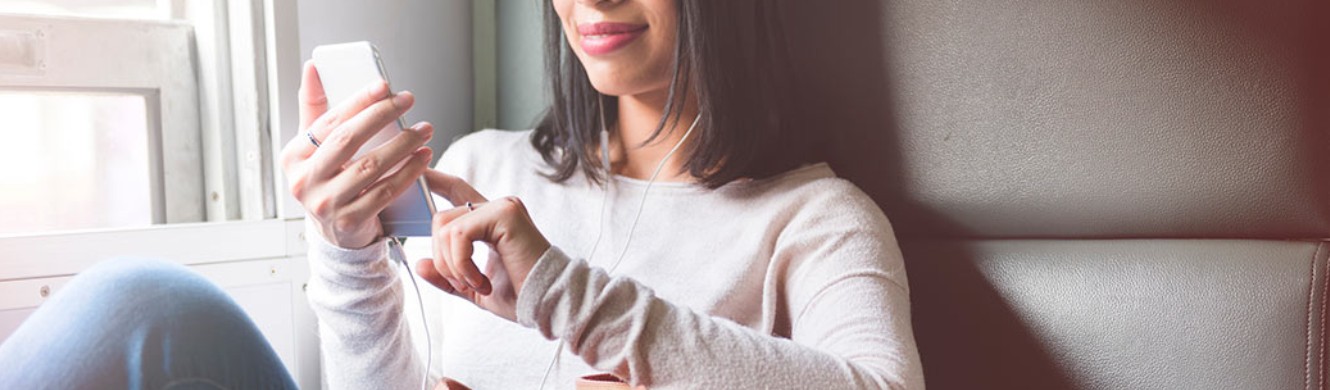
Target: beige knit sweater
{"x":795,"y":281}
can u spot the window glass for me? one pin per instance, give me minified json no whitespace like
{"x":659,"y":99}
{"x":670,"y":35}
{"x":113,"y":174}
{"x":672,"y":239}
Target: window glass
{"x":74,"y":161}
{"x":125,"y":9}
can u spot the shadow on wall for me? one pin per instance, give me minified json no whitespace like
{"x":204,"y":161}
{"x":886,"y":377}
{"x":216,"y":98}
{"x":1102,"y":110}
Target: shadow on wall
{"x":964,"y":329}
{"x":969,"y":335}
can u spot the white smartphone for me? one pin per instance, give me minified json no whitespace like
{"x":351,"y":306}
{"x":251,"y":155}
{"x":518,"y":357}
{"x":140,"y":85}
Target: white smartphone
{"x":346,"y":69}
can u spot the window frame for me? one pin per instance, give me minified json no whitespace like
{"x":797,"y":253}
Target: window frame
{"x":66,"y":63}
{"x":230,"y":154}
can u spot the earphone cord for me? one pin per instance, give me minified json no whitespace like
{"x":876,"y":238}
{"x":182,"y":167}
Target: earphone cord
{"x":604,"y":140}
{"x":396,"y":253}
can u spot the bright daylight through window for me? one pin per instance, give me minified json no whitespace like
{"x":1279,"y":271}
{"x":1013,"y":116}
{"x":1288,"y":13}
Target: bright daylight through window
{"x":73,"y":161}
{"x":129,"y":113}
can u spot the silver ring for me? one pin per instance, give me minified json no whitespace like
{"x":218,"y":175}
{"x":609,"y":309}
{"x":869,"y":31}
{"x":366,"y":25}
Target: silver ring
{"x":470,"y":207}
{"x":312,"y":140}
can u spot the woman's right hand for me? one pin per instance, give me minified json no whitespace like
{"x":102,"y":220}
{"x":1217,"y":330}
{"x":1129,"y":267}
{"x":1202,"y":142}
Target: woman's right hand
{"x":344,"y":196}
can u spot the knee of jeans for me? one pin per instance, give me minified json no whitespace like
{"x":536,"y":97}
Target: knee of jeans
{"x":143,"y":285}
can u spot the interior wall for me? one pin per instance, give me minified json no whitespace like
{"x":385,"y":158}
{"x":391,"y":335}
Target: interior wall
{"x":425,"y":44}
{"x":521,"y":87}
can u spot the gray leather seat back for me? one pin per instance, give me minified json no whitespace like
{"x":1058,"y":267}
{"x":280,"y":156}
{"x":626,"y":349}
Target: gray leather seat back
{"x":1114,"y":194}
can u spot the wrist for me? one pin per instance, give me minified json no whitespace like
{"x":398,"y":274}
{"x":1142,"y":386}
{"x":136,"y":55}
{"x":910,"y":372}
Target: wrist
{"x":318,"y":242}
{"x":346,"y":240}
{"x":520,"y":275}
{"x":542,"y":275}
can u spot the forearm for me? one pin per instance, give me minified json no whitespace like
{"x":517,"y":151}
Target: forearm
{"x":619,"y":326}
{"x":357,"y":298}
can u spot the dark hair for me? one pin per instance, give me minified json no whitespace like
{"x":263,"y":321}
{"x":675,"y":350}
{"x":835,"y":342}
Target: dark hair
{"x":733,"y":55}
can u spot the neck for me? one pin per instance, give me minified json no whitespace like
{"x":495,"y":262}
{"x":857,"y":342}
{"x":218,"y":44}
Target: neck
{"x":638,"y":117}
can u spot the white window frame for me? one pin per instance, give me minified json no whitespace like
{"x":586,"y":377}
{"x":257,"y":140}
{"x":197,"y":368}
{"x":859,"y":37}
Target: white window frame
{"x":233,"y":221}
{"x":231,"y":121}
{"x":65,"y":60}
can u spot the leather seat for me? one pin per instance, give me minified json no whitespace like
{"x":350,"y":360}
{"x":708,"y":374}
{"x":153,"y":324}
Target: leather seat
{"x":1111,"y":194}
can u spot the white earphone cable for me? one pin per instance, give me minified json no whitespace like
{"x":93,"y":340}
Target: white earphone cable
{"x":604,"y":142}
{"x":396,"y":253}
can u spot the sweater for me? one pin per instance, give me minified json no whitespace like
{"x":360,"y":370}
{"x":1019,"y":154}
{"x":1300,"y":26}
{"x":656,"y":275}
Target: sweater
{"x":791,"y":281}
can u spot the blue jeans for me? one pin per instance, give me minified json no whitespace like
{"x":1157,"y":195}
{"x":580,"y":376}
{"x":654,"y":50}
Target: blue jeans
{"x":135,"y":324}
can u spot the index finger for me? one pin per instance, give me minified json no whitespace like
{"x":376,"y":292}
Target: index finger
{"x":452,"y":187}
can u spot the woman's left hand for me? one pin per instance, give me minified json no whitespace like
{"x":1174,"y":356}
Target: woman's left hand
{"x":503,"y":224}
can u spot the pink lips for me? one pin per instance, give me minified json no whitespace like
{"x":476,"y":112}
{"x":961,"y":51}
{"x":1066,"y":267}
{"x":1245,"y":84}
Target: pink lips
{"x":604,"y":38}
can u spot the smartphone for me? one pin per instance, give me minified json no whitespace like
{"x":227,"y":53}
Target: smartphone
{"x":345,"y":69}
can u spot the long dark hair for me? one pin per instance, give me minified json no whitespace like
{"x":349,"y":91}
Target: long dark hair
{"x":733,"y":55}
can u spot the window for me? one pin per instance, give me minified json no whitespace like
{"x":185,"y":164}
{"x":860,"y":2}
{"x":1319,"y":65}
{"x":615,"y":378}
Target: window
{"x":144,"y":128}
{"x":75,"y":161}
{"x":125,"y":9}
{"x":184,"y":82}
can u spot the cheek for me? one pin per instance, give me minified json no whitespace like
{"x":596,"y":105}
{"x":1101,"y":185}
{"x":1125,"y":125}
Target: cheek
{"x":561,"y":7}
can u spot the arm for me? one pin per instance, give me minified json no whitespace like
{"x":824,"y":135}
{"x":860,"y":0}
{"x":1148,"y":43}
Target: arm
{"x":843,"y":285}
{"x":852,"y":332}
{"x":355,"y":292}
{"x":363,"y":335}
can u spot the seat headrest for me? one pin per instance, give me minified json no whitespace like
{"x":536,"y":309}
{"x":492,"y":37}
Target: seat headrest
{"x":1048,"y":118}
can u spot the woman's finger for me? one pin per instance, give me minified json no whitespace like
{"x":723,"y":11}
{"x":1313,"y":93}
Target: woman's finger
{"x":462,"y":232}
{"x":462,"y":246}
{"x":425,"y":268}
{"x":345,"y":140}
{"x":452,"y":187}
{"x":322,"y":126}
{"x":371,"y":167}
{"x":313,"y":101}
{"x":381,"y":194}
{"x":443,"y":244}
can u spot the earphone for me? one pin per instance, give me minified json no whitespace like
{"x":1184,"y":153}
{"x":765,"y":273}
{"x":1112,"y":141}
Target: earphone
{"x":605,"y":160}
{"x":396,"y":253}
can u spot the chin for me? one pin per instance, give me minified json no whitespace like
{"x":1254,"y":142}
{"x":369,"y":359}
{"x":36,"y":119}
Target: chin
{"x":614,"y":80}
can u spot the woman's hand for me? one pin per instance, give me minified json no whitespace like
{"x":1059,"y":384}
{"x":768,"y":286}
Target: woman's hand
{"x":503,"y":224}
{"x":344,"y":196}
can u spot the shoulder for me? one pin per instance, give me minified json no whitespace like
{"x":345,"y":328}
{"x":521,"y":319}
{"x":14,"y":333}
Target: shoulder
{"x":814,"y":195}
{"x":831,"y":226}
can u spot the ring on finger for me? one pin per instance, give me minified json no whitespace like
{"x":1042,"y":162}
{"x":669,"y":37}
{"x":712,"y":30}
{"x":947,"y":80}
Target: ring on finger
{"x":312,"y":140}
{"x":470,"y":206}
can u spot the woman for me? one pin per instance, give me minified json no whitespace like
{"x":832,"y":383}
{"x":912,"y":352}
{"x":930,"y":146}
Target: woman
{"x":666,"y":223}
{"x":749,"y":268}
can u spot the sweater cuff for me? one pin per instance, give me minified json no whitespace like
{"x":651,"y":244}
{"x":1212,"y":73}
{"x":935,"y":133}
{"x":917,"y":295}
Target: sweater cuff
{"x":320,"y":247}
{"x":538,"y":282}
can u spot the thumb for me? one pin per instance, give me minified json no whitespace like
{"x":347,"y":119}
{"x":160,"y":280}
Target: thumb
{"x":313,"y":101}
{"x":425,"y":268}
{"x":452,"y":187}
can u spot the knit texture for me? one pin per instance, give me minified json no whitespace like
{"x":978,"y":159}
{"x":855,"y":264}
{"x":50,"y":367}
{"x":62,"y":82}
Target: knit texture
{"x":794,"y":281}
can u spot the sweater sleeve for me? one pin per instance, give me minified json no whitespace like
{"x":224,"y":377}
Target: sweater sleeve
{"x":363,"y":335}
{"x":850,"y":329}
{"x":370,"y":333}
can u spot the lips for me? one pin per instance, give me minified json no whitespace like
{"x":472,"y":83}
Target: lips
{"x":604,"y":38}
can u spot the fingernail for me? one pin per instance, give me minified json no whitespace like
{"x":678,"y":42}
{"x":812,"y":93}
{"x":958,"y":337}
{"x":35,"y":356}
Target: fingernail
{"x":380,"y":89}
{"x":424,"y":129}
{"x":402,"y":99}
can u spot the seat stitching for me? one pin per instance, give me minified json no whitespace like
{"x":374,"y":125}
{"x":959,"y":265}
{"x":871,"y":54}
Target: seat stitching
{"x":1325,"y":290}
{"x":1311,"y":289}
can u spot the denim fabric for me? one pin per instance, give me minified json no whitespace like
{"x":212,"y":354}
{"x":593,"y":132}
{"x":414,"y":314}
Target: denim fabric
{"x":139,"y":324}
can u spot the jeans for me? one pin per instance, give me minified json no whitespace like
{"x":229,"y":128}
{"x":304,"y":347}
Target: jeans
{"x":135,"y":324}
